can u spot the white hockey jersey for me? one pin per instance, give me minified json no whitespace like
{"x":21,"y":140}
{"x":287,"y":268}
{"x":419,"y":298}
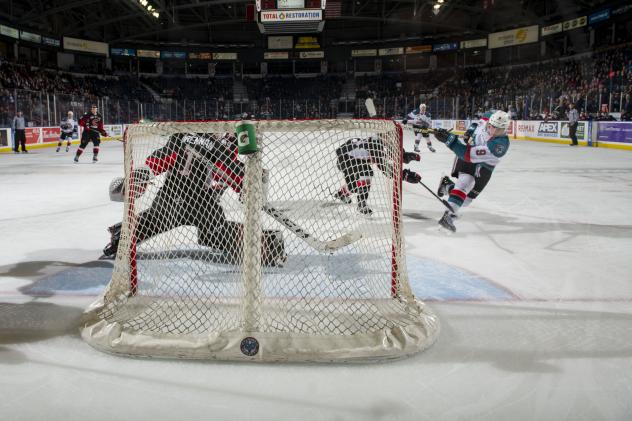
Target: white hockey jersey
{"x":415,"y":117}
{"x":481,"y":149}
{"x":69,"y":125}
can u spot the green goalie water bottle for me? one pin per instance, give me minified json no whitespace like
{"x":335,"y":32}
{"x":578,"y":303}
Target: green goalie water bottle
{"x":246,"y":137}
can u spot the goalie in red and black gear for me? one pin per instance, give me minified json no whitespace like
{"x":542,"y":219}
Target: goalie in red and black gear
{"x":199,"y":168}
{"x":92,"y":124}
{"x":355,"y":159}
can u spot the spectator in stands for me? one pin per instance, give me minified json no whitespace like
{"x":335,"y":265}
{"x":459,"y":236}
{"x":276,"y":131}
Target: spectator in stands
{"x":573,"y":118}
{"x":626,"y":115}
{"x":19,"y":132}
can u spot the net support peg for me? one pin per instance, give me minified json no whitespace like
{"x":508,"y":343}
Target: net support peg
{"x":246,"y":137}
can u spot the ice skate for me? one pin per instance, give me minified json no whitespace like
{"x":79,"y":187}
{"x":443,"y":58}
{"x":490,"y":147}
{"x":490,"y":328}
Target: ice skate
{"x":431,"y":148}
{"x":417,"y":149}
{"x":76,"y":159}
{"x":445,"y":185}
{"x":58,"y":148}
{"x":447,"y":221}
{"x":94,"y":159}
{"x":364,"y":209}
{"x":346,"y":199}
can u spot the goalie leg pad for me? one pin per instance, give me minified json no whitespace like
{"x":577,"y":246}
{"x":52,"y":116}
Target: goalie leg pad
{"x":229,"y":239}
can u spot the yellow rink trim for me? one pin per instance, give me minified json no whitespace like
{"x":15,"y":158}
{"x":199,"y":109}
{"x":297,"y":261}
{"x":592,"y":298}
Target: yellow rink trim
{"x":53,"y":144}
{"x":622,"y":146}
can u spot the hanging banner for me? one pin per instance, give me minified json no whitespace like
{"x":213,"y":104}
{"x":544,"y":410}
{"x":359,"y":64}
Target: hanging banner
{"x":280,"y":42}
{"x":364,"y":53}
{"x":446,"y":46}
{"x":291,"y":16}
{"x":201,"y":56}
{"x":275,"y":55}
{"x":525,"y":35}
{"x":291,"y":4}
{"x":474,"y":43}
{"x":148,"y":53}
{"x":9,"y":32}
{"x":391,"y":51}
{"x":130,"y":52}
{"x":30,"y":37}
{"x":551,"y":29}
{"x":311,"y":54}
{"x":599,"y":16}
{"x":569,"y":25}
{"x":224,"y":56}
{"x":415,"y":49}
{"x":51,"y":41}
{"x":86,"y":46}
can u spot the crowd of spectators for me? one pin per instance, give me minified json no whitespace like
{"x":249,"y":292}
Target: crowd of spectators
{"x":541,"y":90}
{"x":599,"y":84}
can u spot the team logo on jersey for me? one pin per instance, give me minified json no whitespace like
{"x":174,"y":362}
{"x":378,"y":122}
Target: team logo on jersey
{"x":499,"y":149}
{"x":249,"y":346}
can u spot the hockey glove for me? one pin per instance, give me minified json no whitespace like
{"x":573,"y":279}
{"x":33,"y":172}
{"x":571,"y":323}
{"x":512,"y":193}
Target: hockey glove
{"x":411,"y":176}
{"x":103,"y":133}
{"x":442,"y":135}
{"x":411,"y":156}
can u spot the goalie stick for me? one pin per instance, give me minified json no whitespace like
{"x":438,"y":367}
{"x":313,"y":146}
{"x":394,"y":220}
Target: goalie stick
{"x":322,"y":246}
{"x":283,"y":219}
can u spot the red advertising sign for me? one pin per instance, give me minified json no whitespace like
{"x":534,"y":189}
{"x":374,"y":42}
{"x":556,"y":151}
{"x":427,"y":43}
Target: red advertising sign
{"x":32,"y":135}
{"x":50,"y":134}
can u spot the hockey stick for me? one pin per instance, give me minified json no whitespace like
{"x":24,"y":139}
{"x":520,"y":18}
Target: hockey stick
{"x":322,"y":246}
{"x":283,"y":219}
{"x":444,"y":202}
{"x":370,"y":107}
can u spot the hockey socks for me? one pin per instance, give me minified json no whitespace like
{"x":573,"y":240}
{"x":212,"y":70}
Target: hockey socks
{"x":95,"y":154}
{"x":78,"y":154}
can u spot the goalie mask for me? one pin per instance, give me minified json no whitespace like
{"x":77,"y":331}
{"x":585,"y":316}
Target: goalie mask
{"x":422,"y":109}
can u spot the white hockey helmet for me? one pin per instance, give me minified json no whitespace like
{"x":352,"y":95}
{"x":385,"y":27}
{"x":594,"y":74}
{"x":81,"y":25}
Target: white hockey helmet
{"x":498,"y":124}
{"x":500,"y":120}
{"x":422,"y":107}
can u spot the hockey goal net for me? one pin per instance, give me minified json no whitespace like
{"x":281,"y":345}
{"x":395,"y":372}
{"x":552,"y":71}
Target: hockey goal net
{"x":252,"y":257}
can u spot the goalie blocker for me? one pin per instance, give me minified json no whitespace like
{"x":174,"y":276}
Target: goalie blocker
{"x":199,"y":169}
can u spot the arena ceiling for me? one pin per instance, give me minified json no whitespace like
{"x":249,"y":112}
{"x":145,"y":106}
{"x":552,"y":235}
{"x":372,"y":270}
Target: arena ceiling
{"x":223,"y":22}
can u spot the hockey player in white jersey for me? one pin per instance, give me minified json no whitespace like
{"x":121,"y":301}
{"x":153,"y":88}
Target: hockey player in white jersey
{"x":477,"y":156}
{"x":69,"y":129}
{"x":421,"y":122}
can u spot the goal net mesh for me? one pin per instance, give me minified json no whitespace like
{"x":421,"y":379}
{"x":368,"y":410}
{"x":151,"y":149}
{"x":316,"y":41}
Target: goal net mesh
{"x":253,"y":257}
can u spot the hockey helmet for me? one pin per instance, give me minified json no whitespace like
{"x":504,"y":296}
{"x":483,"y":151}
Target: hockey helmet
{"x":498,"y":123}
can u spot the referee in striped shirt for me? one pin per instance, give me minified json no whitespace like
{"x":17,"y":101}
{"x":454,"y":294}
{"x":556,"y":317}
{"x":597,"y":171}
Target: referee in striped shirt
{"x":573,"y":117}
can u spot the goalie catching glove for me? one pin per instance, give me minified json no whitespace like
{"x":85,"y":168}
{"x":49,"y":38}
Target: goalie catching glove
{"x":411,"y":176}
{"x":140,"y":178}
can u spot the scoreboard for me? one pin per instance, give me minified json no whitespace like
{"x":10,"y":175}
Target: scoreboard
{"x":290,"y":16}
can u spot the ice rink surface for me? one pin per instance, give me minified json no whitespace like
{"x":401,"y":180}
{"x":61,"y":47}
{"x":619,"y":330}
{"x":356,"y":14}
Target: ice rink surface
{"x":534,"y":295}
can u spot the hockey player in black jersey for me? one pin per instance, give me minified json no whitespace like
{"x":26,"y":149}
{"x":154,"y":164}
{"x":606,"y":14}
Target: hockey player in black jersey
{"x":92,"y":124}
{"x":355,"y":158}
{"x":199,"y":167}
